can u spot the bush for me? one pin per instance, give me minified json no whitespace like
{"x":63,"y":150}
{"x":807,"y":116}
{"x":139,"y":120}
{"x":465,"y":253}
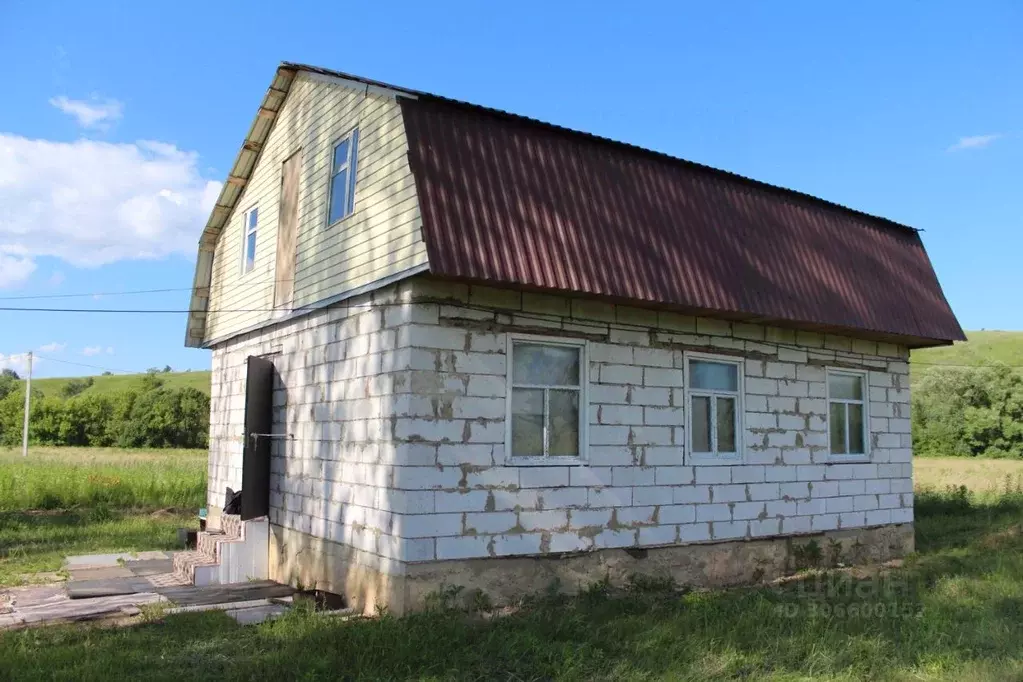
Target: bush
{"x":154,"y":417}
{"x":969,"y":411}
{"x":75,"y":386}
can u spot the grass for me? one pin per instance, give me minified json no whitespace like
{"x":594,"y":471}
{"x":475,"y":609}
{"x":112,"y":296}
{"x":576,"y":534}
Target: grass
{"x":113,"y":383}
{"x":65,"y":501}
{"x":36,"y":542}
{"x":977,"y":474}
{"x":953,"y":611}
{"x":66,"y":478}
{"x":982,"y":347}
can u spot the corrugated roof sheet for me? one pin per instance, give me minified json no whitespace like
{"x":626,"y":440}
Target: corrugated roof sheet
{"x":513,"y":201}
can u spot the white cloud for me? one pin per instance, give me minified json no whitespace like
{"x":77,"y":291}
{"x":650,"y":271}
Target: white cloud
{"x":14,"y":269}
{"x":89,"y":351}
{"x":52,"y":347}
{"x":91,"y":203}
{"x":95,"y":113}
{"x":56,"y":279}
{"x":18,"y":362}
{"x":974,"y":142}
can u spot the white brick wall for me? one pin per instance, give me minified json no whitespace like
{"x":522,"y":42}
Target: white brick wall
{"x":397,"y":410}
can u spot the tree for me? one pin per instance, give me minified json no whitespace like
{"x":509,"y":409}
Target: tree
{"x":167,"y":369}
{"x":75,"y":386}
{"x":8,"y":372}
{"x":107,"y":374}
{"x":8,"y":385}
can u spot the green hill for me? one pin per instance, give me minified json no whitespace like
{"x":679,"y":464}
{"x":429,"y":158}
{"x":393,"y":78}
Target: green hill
{"x":118,"y":382}
{"x":981,"y":348}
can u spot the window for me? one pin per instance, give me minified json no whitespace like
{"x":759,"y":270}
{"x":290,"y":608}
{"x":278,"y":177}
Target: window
{"x":546,"y":399}
{"x":342,"y":177}
{"x":714,"y":407}
{"x":250,"y":221}
{"x":847,"y":413}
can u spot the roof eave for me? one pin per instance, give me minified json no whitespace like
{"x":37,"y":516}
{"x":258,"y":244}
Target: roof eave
{"x":232,"y":190}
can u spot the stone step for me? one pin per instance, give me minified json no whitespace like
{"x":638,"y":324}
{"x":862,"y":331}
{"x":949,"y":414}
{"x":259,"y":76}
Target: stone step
{"x":195,"y":567}
{"x":205,"y":564}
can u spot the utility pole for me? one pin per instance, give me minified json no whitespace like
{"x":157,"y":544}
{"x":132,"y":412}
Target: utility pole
{"x":28,"y":397}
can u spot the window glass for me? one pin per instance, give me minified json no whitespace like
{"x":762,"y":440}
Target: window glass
{"x":856,"y":445}
{"x":341,"y":154}
{"x":726,"y":424}
{"x":545,"y":365}
{"x":527,"y":422}
{"x":338,"y":195}
{"x":845,"y":387}
{"x":563,"y":423}
{"x":701,"y":424}
{"x":836,"y":419}
{"x":250,"y":221}
{"x":250,"y":251}
{"x":713,"y":376}
{"x":342,"y":178}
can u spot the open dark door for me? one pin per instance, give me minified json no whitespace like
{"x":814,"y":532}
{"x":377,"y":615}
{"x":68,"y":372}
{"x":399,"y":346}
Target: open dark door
{"x":259,"y":385}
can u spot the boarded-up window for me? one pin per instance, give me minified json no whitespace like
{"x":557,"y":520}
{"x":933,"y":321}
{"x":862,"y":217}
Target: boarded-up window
{"x":287,"y":229}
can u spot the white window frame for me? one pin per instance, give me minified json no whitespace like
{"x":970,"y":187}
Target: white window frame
{"x":712,"y":458}
{"x":351,"y":163}
{"x":864,"y":377}
{"x":583,"y":388}
{"x":245,"y":239}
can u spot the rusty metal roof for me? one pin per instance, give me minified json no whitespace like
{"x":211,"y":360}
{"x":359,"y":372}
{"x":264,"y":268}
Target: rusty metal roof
{"x":510,"y":200}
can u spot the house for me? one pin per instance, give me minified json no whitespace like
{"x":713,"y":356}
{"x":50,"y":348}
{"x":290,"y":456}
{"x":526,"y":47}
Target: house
{"x":452,"y":345}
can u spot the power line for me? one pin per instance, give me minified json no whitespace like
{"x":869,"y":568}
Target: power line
{"x":83,"y":364}
{"x":96,"y":294}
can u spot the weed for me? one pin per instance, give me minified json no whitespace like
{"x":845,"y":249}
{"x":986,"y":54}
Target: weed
{"x":479,"y":601}
{"x":444,"y":599}
{"x":806,"y":556}
{"x":638,"y":582}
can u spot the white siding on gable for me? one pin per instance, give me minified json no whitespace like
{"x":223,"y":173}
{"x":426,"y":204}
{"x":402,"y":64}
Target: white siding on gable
{"x":381,"y":238}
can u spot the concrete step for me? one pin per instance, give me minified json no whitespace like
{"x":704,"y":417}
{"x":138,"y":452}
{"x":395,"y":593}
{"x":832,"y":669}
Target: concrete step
{"x":226,"y":555}
{"x":195,"y":567}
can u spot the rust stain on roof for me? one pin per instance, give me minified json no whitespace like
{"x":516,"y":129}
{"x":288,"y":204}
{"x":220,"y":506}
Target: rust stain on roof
{"x":513,"y":201}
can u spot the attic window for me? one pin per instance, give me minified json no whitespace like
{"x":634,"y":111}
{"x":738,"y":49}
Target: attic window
{"x":250,"y":223}
{"x":342,"y":177}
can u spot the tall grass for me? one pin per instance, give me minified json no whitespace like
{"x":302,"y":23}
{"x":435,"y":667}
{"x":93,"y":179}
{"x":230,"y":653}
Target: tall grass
{"x":69,"y":478}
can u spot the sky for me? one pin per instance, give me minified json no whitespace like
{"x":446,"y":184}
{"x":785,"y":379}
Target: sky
{"x":119,"y":122}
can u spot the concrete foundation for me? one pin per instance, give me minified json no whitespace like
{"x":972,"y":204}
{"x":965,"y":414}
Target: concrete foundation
{"x":310,"y":562}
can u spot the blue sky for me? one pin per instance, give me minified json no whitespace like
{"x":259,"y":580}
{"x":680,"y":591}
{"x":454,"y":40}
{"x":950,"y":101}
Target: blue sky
{"x":120,"y":121}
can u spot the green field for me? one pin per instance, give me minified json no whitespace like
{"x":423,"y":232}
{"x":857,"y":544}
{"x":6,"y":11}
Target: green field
{"x":112,"y":383}
{"x":982,"y":347}
{"x":62,"y":501}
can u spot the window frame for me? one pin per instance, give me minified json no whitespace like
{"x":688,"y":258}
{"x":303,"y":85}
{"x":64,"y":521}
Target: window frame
{"x":711,"y":458}
{"x":245,"y":239}
{"x":584,"y":416}
{"x":864,"y":377}
{"x":352,"y":165}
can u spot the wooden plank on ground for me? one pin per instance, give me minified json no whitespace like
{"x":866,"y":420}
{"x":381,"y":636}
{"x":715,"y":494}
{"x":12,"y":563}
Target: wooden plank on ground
{"x":222,"y":594}
{"x":86,"y":609}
